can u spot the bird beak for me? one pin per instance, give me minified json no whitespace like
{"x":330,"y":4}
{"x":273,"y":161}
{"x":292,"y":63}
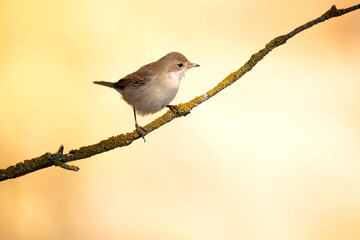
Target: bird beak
{"x":191,"y":65}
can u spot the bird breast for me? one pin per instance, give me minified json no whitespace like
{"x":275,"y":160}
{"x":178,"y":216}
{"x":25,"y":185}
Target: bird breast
{"x":154,"y":95}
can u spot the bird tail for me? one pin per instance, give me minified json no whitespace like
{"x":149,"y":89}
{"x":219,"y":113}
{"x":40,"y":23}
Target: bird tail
{"x":107,"y":84}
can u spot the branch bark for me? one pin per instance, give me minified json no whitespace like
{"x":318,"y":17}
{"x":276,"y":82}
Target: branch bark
{"x":58,"y":159}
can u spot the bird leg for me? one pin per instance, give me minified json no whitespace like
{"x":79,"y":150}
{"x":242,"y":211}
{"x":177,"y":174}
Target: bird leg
{"x":141,"y":131}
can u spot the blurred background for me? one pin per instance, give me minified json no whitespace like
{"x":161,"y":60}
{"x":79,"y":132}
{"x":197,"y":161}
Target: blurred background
{"x":274,"y":156}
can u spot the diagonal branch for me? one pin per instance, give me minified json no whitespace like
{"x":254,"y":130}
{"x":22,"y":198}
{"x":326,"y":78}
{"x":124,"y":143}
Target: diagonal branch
{"x":122,"y":140}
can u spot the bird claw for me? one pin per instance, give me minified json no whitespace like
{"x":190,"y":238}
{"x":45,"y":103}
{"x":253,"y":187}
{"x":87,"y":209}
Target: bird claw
{"x":174,"y":108}
{"x":141,"y":131}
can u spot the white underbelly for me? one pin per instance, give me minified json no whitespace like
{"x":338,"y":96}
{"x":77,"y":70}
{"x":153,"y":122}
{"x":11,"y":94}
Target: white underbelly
{"x":151,"y":97}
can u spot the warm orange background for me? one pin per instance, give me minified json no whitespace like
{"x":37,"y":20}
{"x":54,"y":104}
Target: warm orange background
{"x":275,"y":156}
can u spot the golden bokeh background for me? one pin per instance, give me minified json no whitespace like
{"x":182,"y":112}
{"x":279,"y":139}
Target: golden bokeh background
{"x":275,"y":156}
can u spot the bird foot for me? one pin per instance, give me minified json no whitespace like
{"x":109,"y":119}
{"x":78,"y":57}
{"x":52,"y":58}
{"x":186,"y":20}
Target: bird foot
{"x":141,"y":131}
{"x":174,"y":108}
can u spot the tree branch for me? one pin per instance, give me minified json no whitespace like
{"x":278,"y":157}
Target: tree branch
{"x":58,"y":159}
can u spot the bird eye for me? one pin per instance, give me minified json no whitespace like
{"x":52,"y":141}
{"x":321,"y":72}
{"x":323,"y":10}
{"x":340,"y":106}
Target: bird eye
{"x":180,"y":65}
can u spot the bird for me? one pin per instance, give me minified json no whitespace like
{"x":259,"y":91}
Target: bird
{"x":153,"y":86}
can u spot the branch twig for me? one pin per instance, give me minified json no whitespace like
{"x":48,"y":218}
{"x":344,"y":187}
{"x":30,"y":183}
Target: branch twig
{"x":58,"y":159}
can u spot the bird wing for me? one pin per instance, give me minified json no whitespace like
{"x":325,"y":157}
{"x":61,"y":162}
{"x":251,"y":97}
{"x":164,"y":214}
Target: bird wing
{"x":140,"y":77}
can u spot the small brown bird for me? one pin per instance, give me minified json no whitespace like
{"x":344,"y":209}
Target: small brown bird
{"x":153,"y":86}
